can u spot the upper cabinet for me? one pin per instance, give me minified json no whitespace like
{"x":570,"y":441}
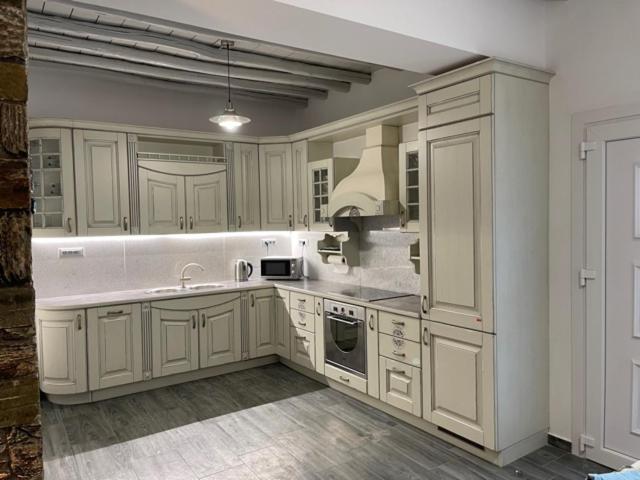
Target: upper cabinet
{"x":246,"y":174}
{"x":300,"y":201}
{"x":162,"y":202}
{"x":206,"y":202}
{"x":52,"y":183}
{"x":276,"y":187}
{"x":103,"y":182}
{"x":409,"y":186}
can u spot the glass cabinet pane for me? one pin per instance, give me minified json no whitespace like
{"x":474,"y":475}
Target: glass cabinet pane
{"x":46,"y":182}
{"x":412,"y":193}
{"x":320,"y":189}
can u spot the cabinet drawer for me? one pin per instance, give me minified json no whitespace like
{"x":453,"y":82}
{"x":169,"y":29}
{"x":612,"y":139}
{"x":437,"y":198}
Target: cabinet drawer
{"x":304,"y":320}
{"x":399,"y":326}
{"x":114,"y":310}
{"x":303,"y":348}
{"x":301,"y":301}
{"x":400,"y":349}
{"x":400,"y":386}
{"x":458,"y":102}
{"x":346,"y":378}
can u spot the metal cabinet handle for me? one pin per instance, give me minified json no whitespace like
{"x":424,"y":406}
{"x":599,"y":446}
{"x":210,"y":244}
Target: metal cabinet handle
{"x":69,"y":227}
{"x":425,"y":306}
{"x":125,"y":224}
{"x":239,"y":222}
{"x":181,"y":223}
{"x":190,"y":223}
{"x":300,"y":337}
{"x":193,"y":322}
{"x":318,"y":309}
{"x":425,"y":336}
{"x":305,"y":220}
{"x":397,"y":322}
{"x":253,"y":300}
{"x":79,"y":321}
{"x":115,"y":312}
{"x":204,"y":320}
{"x":344,"y":379}
{"x":398,"y":370}
{"x":372,"y":327}
{"x":304,"y":324}
{"x":399,"y":354}
{"x":290,"y":221}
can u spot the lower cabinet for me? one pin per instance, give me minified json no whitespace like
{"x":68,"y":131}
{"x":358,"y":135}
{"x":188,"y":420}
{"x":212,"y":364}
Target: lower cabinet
{"x":221,"y":332}
{"x":458,"y":381}
{"x":283,"y":322}
{"x":262,"y":323}
{"x":174,"y":341}
{"x":373,"y":380}
{"x":400,"y":385}
{"x":62,"y":350}
{"x":303,"y":348}
{"x":114,"y":336}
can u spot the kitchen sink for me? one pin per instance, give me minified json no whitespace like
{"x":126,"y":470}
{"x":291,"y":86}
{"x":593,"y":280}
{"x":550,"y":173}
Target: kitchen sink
{"x":188,"y":288}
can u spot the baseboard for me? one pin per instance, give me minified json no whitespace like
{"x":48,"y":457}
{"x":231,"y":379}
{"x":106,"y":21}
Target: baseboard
{"x":559,"y":442}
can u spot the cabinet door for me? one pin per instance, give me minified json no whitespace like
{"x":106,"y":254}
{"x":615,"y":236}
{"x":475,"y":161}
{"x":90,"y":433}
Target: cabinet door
{"x":400,"y":385}
{"x":247,"y":186}
{"x":300,"y":199}
{"x":115,"y":345}
{"x":207,"y":203}
{"x":276,"y":187}
{"x":175,"y":341}
{"x":283,"y":323}
{"x":221,"y":334}
{"x":103,"y":182}
{"x":457,"y":193}
{"x":62,"y":351}
{"x":319,"y":315}
{"x":457,"y":369}
{"x":52,"y":182}
{"x":303,"y":348}
{"x":262,"y":323}
{"x":409,"y":186}
{"x":162,"y":202}
{"x":320,"y":178}
{"x":373,"y":378}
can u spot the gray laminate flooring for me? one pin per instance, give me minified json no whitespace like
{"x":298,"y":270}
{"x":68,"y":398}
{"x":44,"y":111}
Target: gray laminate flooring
{"x":264,"y":423}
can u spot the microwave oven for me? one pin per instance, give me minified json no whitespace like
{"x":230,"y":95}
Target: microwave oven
{"x":281,"y":268}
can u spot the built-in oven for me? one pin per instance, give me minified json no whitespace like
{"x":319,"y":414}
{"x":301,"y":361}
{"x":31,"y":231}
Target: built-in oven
{"x":345,"y":337}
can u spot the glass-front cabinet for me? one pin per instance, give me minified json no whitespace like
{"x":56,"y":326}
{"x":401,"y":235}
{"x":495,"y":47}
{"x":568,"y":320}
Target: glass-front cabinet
{"x":409,"y":186}
{"x":320,"y":180}
{"x":52,"y":183}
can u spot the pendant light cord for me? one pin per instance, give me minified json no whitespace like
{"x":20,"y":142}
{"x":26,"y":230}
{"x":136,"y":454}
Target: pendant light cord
{"x":228,"y":76}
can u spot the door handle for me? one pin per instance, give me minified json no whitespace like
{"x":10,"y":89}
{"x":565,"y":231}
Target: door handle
{"x":79,"y":321}
{"x":204,"y":320}
{"x":253,"y":300}
{"x":318,"y":308}
{"x":125,"y":224}
{"x":344,"y":379}
{"x":399,"y":354}
{"x":115,"y":312}
{"x":371,"y":325}
{"x":69,"y":227}
{"x":305,"y":220}
{"x":181,"y":223}
{"x":425,"y":305}
{"x":301,"y":337}
{"x":193,"y":322}
{"x":290,"y":221}
{"x":398,"y":370}
{"x":190,"y":223}
{"x":239,"y":222}
{"x":425,"y":336}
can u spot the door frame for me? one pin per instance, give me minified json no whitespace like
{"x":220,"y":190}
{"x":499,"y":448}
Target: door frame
{"x":580,"y":123}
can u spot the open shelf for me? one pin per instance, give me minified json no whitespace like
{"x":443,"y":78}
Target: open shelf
{"x":340,"y":248}
{"x":414,"y":255}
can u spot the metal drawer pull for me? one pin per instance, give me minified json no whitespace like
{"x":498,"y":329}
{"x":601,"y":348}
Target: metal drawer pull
{"x":193,"y":321}
{"x":253,"y":300}
{"x":239,"y":222}
{"x":125,"y":224}
{"x":69,"y":227}
{"x":300,"y":322}
{"x":397,"y":322}
{"x":181,"y":223}
{"x":397,"y":370}
{"x":302,"y":300}
{"x":290,"y":221}
{"x":79,"y":321}
{"x":399,"y":354}
{"x":204,"y":320}
{"x":304,"y":221}
{"x":115,"y":312}
{"x":425,"y":336}
{"x":300,"y":337}
{"x":190,"y":223}
{"x":371,"y":325}
{"x":344,"y":379}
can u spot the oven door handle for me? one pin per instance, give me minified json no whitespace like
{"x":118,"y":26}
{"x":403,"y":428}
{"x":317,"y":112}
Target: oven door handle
{"x":341,"y":320}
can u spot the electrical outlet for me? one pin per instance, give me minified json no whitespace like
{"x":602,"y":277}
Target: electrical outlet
{"x":71,"y":252}
{"x":268,"y":242}
{"x":302,"y":243}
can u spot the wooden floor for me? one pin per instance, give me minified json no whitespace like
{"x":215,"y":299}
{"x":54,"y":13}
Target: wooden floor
{"x":264,"y":423}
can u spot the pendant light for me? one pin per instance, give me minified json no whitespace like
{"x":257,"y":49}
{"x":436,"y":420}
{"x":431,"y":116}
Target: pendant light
{"x":229,"y":119}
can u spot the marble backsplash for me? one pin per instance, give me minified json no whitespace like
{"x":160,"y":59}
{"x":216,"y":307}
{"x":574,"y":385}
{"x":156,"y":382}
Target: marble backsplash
{"x":124,"y":263}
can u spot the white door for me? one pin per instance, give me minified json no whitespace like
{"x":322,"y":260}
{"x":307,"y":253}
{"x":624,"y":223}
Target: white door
{"x":262,"y":323}
{"x":247,"y":186}
{"x":221,"y":333}
{"x":283,"y":323}
{"x":114,"y":337}
{"x":300,"y":203}
{"x":207,"y":203}
{"x":162,"y":202}
{"x":62,"y":350}
{"x":276,"y":187}
{"x":102,"y":177}
{"x":612,"y":220}
{"x":174,"y":341}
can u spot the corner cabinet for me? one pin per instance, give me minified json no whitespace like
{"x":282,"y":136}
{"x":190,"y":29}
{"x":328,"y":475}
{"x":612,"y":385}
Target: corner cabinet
{"x":276,"y":187}
{"x":102,"y":179}
{"x":62,"y":351}
{"x":246,"y":173}
{"x":283,"y":323}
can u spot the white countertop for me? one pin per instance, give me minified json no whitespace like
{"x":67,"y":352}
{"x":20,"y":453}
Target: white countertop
{"x":404,"y":305}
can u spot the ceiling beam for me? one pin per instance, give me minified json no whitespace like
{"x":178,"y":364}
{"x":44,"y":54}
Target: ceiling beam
{"x":131,"y":54}
{"x":191,"y":48}
{"x":161,"y":73}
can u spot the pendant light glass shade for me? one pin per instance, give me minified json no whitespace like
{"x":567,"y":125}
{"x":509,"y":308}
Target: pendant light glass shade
{"x":229,"y":119}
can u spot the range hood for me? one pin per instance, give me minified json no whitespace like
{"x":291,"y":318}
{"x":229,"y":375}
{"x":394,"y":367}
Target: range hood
{"x":372,"y":188}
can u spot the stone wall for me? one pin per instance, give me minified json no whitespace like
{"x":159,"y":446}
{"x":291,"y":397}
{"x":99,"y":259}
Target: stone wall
{"x":20,"y":440}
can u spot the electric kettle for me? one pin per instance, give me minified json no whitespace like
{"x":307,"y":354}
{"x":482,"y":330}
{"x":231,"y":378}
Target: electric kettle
{"x":242,"y":270}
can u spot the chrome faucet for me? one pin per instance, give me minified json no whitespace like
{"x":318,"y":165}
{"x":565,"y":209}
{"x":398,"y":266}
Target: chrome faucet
{"x":183,"y":279}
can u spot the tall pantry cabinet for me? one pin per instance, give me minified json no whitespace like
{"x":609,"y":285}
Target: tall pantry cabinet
{"x":483,"y":166}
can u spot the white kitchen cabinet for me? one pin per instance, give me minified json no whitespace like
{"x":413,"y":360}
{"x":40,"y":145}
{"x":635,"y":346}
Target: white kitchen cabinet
{"x":102,"y":179}
{"x":114,"y":337}
{"x":221,"y":331}
{"x":400,"y":385}
{"x":283,"y":322}
{"x":262,"y":323}
{"x":373,"y":377}
{"x":303,"y":348}
{"x":319,"y":334}
{"x":52,"y":182}
{"x":276,"y":187}
{"x":174,"y":341}
{"x":458,"y":381}
{"x":409,"y":186}
{"x":300,"y":199}
{"x":247,"y":186}
{"x":206,"y":203}
{"x":162,"y":202}
{"x":62,"y":351}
